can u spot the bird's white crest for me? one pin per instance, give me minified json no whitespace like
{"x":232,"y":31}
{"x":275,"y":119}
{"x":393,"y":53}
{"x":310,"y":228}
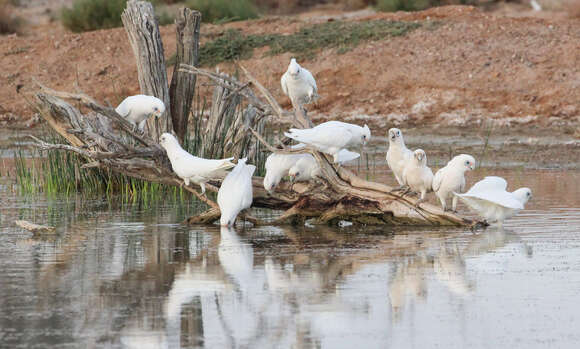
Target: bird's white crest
{"x":235,"y":193}
{"x":138,"y":108}
{"x":490,"y":199}
{"x":294,"y":68}
{"x":192,"y":168}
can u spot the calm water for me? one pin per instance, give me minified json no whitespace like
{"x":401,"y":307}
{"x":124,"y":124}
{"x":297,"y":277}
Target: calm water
{"x":124,"y":276}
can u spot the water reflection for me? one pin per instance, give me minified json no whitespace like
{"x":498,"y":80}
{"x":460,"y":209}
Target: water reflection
{"x":128,"y":278}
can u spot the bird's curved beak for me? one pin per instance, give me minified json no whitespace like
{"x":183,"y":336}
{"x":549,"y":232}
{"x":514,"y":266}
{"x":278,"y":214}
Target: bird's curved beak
{"x":292,"y":178}
{"x":419,"y":157}
{"x":471,"y":167}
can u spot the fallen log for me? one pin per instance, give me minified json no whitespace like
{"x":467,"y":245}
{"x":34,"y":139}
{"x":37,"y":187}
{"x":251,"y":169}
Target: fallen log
{"x":106,"y":140}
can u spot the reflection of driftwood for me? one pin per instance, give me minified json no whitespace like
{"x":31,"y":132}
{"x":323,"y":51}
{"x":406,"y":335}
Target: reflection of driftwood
{"x":35,"y":228}
{"x":106,"y":140}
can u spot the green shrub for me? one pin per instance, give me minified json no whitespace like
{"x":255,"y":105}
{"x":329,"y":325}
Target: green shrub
{"x":86,"y":15}
{"x":224,"y":10}
{"x":404,"y":5}
{"x":305,"y":43}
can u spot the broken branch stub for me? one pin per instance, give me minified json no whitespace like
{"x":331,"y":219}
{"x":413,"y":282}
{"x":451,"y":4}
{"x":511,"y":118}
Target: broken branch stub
{"x":182,"y":88}
{"x":145,"y":39}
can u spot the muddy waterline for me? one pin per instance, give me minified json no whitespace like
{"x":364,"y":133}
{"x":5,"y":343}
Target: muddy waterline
{"x":126,"y":276}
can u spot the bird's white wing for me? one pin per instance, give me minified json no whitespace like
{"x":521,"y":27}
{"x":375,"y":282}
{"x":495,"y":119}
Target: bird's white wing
{"x":496,"y":197}
{"x":123,"y":109}
{"x":438,"y":179}
{"x":248,"y":191}
{"x":207,"y":168}
{"x":490,"y":183}
{"x":347,"y":155}
{"x":310,"y":79}
{"x":284,"y":83}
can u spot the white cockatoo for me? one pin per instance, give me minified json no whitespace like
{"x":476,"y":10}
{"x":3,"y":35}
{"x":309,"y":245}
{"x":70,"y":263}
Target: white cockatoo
{"x":417,"y":175}
{"x":299,"y":84}
{"x":137,"y":109}
{"x":307,"y":168}
{"x":191,"y":168}
{"x":235,"y":193}
{"x":277,"y":166}
{"x":332,"y":136}
{"x":535,"y":5}
{"x":490,"y":199}
{"x":398,"y":154}
{"x":451,"y":179}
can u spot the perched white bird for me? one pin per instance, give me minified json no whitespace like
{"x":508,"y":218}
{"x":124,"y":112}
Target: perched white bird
{"x":137,"y":109}
{"x":235,"y":194}
{"x":277,"y":166}
{"x":490,"y":199}
{"x":451,"y":179}
{"x":417,"y":175}
{"x":332,"y":136}
{"x":307,"y":168}
{"x":535,"y":5}
{"x":299,"y":84}
{"x":191,"y":168}
{"x":398,"y":154}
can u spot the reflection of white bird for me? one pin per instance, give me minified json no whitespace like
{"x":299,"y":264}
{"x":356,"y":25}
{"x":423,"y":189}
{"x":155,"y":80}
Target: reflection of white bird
{"x":235,"y":194}
{"x":535,"y":5}
{"x":235,"y":257}
{"x":398,"y":154}
{"x":417,"y":175}
{"x":332,"y":136}
{"x":307,"y":168}
{"x":451,"y":179}
{"x":277,"y":166}
{"x":451,"y":271}
{"x":299,"y":84}
{"x":137,"y":109}
{"x":490,"y":199}
{"x":191,"y":168}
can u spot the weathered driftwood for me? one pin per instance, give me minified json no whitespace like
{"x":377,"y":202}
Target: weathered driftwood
{"x":35,"y":228}
{"x":107,"y":140}
{"x":145,"y":39}
{"x":182,"y":88}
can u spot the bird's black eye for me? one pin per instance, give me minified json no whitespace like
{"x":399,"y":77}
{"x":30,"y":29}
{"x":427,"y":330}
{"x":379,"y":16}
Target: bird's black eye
{"x":467,"y":162}
{"x":398,"y":133}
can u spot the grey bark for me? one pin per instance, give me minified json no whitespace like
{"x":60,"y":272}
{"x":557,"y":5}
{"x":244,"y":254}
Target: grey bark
{"x":145,"y":39}
{"x":182,"y":88}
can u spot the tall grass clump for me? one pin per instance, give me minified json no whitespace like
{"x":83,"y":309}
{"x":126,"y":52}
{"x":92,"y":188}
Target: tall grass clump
{"x":60,"y":173}
{"x":221,"y":11}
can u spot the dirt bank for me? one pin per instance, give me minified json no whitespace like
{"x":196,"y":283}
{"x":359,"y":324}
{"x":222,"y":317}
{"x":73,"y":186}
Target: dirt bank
{"x":467,"y":67}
